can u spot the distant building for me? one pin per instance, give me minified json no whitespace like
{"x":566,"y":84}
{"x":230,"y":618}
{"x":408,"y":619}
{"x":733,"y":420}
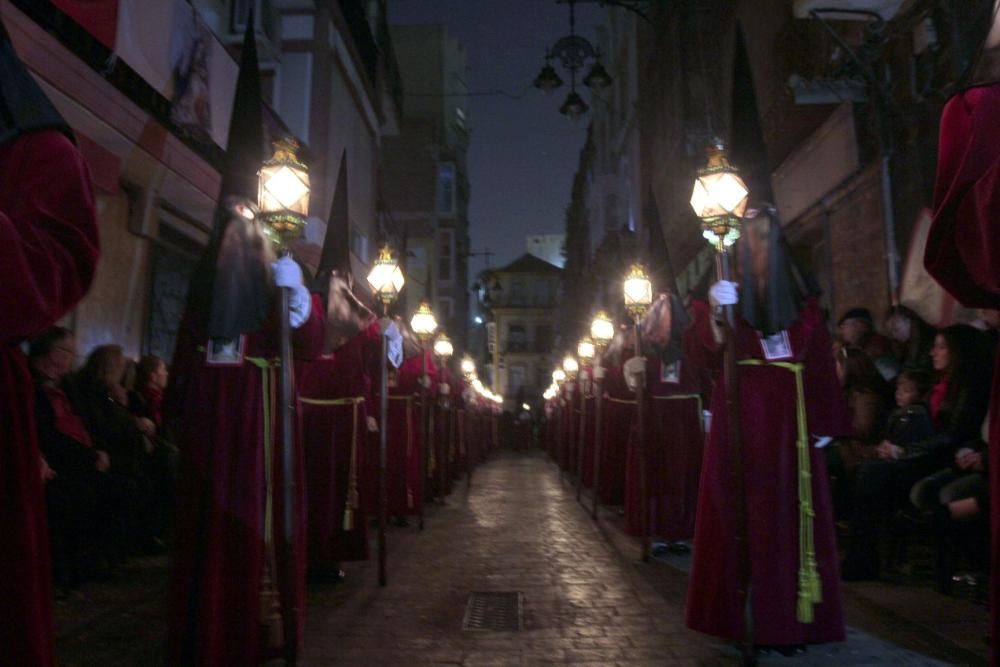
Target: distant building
{"x":550,"y":247}
{"x":425,"y":174}
{"x":522,"y":298}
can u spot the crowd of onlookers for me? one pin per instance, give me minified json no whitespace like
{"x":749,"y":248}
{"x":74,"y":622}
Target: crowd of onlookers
{"x":107,"y":460}
{"x":918,"y":399}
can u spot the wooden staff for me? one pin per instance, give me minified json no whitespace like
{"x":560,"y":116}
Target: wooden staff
{"x":598,"y":397}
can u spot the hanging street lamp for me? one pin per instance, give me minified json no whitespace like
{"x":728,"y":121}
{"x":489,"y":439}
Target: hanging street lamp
{"x":573,"y":52}
{"x":386,"y":280}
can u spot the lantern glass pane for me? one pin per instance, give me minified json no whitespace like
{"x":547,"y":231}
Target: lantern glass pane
{"x":585,"y":350}
{"x":559,"y":375}
{"x":423,"y":322}
{"x":443,"y":348}
{"x":722,"y":193}
{"x":602,"y":330}
{"x":638,"y":292}
{"x":570,"y":365}
{"x":284,"y":187}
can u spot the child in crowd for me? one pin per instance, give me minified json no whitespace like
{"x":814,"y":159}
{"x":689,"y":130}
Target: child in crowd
{"x":910,"y":422}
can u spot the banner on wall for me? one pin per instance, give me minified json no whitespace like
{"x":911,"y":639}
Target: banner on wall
{"x":188,"y":64}
{"x":190,"y":60}
{"x":98,"y":17}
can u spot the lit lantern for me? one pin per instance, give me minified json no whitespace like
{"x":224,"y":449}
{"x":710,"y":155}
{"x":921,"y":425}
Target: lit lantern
{"x":283,"y":192}
{"x":570,"y":365}
{"x":638,"y":292}
{"x":558,"y":376}
{"x":423,"y":322}
{"x":468,"y":366}
{"x":385,"y":278}
{"x":585,"y":349}
{"x":602,"y":330}
{"x":719,"y":198}
{"x":443,"y":347}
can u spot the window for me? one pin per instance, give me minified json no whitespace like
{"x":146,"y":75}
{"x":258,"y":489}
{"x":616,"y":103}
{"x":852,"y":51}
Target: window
{"x":516,"y":293}
{"x":445,"y":253}
{"x":517,"y":338}
{"x":460,"y":117}
{"x":445,"y":310}
{"x":446,"y":188}
{"x":543,"y":338}
{"x":515,"y":379}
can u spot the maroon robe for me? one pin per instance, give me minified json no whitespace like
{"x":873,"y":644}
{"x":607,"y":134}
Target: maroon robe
{"x":220,"y":552}
{"x":963,"y":252}
{"x":768,"y":419}
{"x":586,"y":436}
{"x":404,"y":481}
{"x":48,"y":253}
{"x":337,"y":448}
{"x":674,"y":452}
{"x":618,"y":430}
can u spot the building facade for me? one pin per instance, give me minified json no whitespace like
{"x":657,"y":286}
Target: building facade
{"x":148,"y":90}
{"x":426,"y":175}
{"x":523,"y":299}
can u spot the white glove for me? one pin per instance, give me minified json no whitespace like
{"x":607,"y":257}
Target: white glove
{"x":288,"y":274}
{"x":723,"y":293}
{"x":444,"y":389}
{"x":598,"y":372}
{"x":425,"y":381}
{"x":394,"y":343}
{"x":634,"y":369}
{"x":822,"y":441}
{"x":372,"y":424}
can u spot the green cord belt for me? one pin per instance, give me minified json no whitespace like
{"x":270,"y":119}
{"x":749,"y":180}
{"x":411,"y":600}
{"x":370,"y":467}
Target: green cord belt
{"x":810,"y":591}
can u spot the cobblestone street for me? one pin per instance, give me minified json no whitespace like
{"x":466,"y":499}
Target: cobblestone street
{"x":587,"y":600}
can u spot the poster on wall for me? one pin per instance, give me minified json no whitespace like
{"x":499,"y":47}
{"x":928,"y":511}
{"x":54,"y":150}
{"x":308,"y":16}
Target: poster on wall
{"x":190,"y":59}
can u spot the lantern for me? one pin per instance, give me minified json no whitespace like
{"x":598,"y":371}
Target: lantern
{"x":586,"y":349}
{"x":602,"y":330}
{"x":638,"y":292}
{"x":443,"y":347}
{"x":719,"y":198}
{"x":385,"y":278}
{"x":423,"y":322}
{"x":283,"y":192}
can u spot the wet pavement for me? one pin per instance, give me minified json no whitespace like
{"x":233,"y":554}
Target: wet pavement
{"x":586,"y":599}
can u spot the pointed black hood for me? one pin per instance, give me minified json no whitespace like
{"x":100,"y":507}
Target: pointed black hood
{"x":336,"y":255}
{"x":24,"y":107}
{"x":231,"y":290}
{"x":667,"y":320}
{"x":773,"y":288}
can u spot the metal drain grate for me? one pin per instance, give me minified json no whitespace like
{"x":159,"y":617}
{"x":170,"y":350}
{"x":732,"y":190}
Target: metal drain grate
{"x":498,"y":611}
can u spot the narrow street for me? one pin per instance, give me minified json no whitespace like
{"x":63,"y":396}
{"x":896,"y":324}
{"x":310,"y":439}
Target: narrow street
{"x":586,"y":599}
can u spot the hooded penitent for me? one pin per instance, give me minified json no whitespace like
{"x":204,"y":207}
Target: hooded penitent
{"x":231,"y":292}
{"x":346,"y":316}
{"x":772,"y":288}
{"x":666,"y":320}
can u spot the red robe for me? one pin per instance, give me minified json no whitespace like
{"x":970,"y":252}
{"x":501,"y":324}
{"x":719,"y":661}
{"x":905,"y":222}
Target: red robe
{"x":404,"y":481}
{"x":48,"y":253}
{"x":220,"y":554}
{"x":338,"y":450}
{"x":767,"y":404}
{"x":963,"y":251}
{"x":618,"y":430}
{"x":675,"y":445}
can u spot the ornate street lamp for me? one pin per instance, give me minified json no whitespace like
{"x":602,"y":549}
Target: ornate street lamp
{"x":719,"y":198}
{"x":638,"y":294}
{"x":283,"y":192}
{"x":424,"y":324}
{"x":283,"y":204}
{"x":386,"y":280}
{"x":573,"y":52}
{"x":443,"y":349}
{"x":602,"y":331}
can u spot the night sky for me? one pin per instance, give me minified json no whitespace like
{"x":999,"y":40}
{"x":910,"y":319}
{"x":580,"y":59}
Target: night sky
{"x":523,"y":152}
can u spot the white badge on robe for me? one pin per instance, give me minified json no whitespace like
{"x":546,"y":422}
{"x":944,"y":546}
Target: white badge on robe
{"x":776,"y":347}
{"x":670,"y":373}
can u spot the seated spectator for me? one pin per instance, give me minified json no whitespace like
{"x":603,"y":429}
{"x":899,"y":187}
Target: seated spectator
{"x":958,"y":403}
{"x":857,"y":328}
{"x":146,"y":402}
{"x":868,"y":402}
{"x":911,"y":338}
{"x":78,"y":491}
{"x":99,"y":397}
